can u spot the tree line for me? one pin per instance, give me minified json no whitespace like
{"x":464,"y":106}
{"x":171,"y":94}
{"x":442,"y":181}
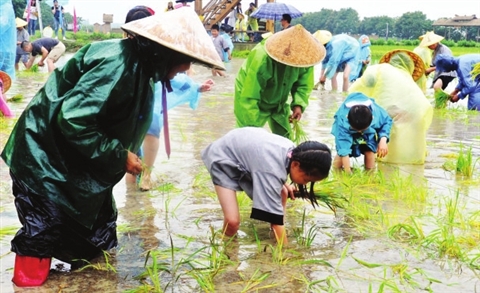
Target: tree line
{"x":409,"y":26}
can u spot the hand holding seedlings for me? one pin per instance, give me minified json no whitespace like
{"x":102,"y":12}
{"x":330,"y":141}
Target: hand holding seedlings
{"x":133,"y":164}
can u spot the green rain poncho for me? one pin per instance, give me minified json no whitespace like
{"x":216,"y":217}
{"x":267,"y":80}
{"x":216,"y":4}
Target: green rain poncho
{"x":262,"y":88}
{"x":393,"y":88}
{"x":70,"y":144}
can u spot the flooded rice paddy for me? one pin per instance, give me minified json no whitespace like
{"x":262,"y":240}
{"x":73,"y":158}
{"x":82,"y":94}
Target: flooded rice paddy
{"x":411,"y":228}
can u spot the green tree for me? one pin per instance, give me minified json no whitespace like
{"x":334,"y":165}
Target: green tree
{"x":321,"y":20}
{"x":19,"y":7}
{"x":377,"y":26}
{"x":347,"y":21}
{"x":411,"y":25}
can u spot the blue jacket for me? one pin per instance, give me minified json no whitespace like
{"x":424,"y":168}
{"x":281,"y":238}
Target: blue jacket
{"x":345,"y":135}
{"x":463,"y":65}
{"x":341,"y":49}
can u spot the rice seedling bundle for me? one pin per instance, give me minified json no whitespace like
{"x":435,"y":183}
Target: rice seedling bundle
{"x":298,"y":134}
{"x":441,"y":99}
{"x":475,"y":71}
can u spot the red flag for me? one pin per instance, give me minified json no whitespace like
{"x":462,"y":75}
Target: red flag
{"x":74,"y":20}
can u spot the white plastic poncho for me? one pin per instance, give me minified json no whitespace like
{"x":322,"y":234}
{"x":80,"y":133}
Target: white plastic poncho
{"x":395,"y":91}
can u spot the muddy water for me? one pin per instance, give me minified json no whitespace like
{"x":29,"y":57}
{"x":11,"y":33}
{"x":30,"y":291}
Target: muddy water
{"x":183,"y":207}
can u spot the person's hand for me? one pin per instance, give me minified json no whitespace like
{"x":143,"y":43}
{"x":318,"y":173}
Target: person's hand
{"x":133,"y":164}
{"x":290,"y":189}
{"x":206,"y":86}
{"x":382,"y":149}
{"x":40,"y":63}
{"x":323,"y":79}
{"x":454,"y":98}
{"x":296,"y":113}
{"x":429,"y":70}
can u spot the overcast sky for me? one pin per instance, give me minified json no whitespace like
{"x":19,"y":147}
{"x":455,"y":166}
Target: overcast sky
{"x":93,"y":9}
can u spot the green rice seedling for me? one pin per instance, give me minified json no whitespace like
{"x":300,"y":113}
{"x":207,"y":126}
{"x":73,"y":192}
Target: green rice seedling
{"x":16,"y":98}
{"x":7,"y":231}
{"x":107,"y":266}
{"x":305,"y":237}
{"x":441,"y":99}
{"x":329,"y":284}
{"x":475,"y":71}
{"x":298,"y":134}
{"x":152,"y":271}
{"x":252,"y":283}
{"x":34,"y":68}
{"x":465,"y":163}
{"x":257,"y":239}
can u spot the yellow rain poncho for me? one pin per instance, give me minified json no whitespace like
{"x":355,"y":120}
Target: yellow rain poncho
{"x":426,"y":55}
{"x":393,"y":88}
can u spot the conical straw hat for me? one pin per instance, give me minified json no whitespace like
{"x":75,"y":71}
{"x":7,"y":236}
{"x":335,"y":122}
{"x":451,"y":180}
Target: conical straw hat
{"x":323,"y":36}
{"x":295,"y":47}
{"x":419,"y":66}
{"x":430,"y":38}
{"x":20,"y":22}
{"x":181,"y":31}
{"x":7,"y":81}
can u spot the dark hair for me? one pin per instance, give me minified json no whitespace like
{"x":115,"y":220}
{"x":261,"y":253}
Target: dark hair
{"x":137,"y":12}
{"x":314,"y":158}
{"x":23,"y":44}
{"x":287,"y":17}
{"x":253,"y":4}
{"x":360,"y":117}
{"x":215,"y":27}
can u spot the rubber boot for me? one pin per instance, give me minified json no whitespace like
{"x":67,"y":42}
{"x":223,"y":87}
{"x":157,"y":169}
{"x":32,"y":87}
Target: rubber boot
{"x":30,"y":271}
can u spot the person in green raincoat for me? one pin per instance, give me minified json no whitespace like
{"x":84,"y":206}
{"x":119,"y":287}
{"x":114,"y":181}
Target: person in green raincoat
{"x":278,"y":66}
{"x":79,"y":135}
{"x":392,"y":84}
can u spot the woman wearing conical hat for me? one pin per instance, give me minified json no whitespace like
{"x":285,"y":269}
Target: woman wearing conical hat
{"x":277,"y":67}
{"x":441,"y":79}
{"x":392,"y":84}
{"x":78,"y":137}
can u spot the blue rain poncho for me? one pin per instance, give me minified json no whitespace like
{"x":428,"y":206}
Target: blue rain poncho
{"x":394,"y":89}
{"x":364,"y":54}
{"x":230,"y":46}
{"x":8,"y":38}
{"x":341,"y":50}
{"x":463,"y":65}
{"x":347,"y":139}
{"x":185,"y":90}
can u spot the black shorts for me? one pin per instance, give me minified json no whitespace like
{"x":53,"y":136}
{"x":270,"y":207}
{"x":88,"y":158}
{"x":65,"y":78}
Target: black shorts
{"x":358,"y":149}
{"x":445,"y":80}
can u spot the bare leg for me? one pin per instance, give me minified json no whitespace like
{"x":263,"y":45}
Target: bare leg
{"x":438,"y":85}
{"x":231,"y":213}
{"x":369,"y":160}
{"x":334,"y":82}
{"x":346,"y":78}
{"x":50,"y":64}
{"x":151,"y":144}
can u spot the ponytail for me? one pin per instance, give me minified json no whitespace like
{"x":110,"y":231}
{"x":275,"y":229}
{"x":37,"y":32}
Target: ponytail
{"x":314,"y":158}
